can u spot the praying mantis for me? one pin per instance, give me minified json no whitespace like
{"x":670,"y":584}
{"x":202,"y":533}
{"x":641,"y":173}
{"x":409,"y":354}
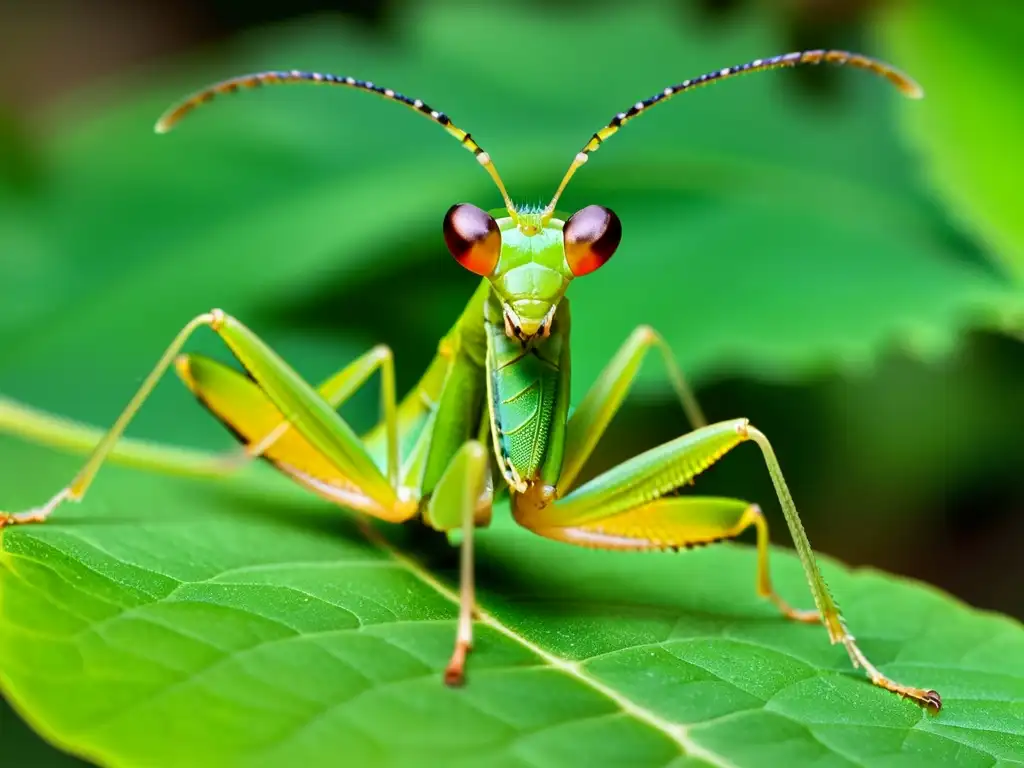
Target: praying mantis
{"x":491,"y":411}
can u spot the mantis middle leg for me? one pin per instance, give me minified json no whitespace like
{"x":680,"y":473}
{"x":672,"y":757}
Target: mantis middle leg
{"x":456,"y":499}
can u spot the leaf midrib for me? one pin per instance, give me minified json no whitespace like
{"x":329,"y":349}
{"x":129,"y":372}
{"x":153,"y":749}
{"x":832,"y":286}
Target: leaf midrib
{"x":676,"y":732}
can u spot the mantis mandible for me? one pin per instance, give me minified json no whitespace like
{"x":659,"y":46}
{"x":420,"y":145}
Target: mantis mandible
{"x":494,"y":402}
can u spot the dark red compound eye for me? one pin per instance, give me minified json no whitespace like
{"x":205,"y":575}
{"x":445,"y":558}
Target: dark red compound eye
{"x":591,"y":236}
{"x":473,"y":238}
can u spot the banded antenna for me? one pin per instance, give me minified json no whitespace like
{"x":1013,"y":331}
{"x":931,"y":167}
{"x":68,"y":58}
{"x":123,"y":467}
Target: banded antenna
{"x":904,"y":83}
{"x":171,"y":117}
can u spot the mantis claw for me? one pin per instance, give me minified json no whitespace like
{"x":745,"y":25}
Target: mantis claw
{"x":932,"y":700}
{"x":929,"y":699}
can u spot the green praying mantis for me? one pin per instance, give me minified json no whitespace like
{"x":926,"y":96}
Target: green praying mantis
{"x":491,"y":412}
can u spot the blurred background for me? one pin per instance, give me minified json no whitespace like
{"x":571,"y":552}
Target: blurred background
{"x":839,"y":265}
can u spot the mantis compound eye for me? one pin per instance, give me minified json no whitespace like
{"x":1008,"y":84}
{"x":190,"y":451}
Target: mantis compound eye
{"x":473,"y":238}
{"x":591,"y":236}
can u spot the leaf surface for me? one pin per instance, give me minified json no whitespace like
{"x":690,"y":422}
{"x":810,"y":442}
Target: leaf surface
{"x":966,"y":128}
{"x":173,"y":622}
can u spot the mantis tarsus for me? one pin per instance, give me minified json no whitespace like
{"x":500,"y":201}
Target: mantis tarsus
{"x":496,"y":396}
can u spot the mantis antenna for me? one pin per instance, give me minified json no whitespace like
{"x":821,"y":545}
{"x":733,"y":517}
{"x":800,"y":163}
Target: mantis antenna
{"x":171,"y":117}
{"x":903,"y":82}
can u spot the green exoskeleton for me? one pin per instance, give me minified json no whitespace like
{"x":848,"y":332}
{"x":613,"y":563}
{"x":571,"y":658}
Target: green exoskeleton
{"x":494,"y":403}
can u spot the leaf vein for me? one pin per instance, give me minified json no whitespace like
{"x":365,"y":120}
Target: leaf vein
{"x":676,"y":732}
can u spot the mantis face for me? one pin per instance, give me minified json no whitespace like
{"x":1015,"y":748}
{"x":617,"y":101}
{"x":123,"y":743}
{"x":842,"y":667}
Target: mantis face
{"x":528,"y":260}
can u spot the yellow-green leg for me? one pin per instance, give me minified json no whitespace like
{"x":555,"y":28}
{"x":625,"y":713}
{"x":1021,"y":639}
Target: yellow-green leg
{"x":79,"y":484}
{"x":629,"y":507}
{"x":308,"y":413}
{"x":460,"y":493}
{"x":47,"y":429}
{"x":336,"y":390}
{"x":600,"y":404}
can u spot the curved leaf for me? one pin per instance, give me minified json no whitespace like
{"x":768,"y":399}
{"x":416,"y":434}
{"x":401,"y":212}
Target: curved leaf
{"x":966,"y":127}
{"x":174,"y":623}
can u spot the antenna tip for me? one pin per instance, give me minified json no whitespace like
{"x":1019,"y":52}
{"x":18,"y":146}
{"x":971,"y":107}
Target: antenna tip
{"x":164,"y":124}
{"x":172,"y":116}
{"x":907,"y":85}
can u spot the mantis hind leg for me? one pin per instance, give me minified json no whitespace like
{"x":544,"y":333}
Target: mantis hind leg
{"x":455,"y":504}
{"x":38,"y":426}
{"x":311,"y":420}
{"x":681,"y":522}
{"x":80,"y":483}
{"x":631,"y":507}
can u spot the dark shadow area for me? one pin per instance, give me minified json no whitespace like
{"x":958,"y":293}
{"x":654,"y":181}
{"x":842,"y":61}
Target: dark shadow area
{"x":23,"y":748}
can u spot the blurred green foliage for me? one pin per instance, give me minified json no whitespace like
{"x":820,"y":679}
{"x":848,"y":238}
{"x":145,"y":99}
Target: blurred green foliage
{"x":969,"y":128}
{"x":813,"y":265}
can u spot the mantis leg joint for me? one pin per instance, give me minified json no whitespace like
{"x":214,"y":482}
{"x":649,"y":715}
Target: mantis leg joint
{"x":216,"y":318}
{"x":646,"y":333}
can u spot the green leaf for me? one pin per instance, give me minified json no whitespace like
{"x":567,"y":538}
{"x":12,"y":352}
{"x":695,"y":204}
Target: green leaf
{"x":170,"y":622}
{"x":966,"y":59}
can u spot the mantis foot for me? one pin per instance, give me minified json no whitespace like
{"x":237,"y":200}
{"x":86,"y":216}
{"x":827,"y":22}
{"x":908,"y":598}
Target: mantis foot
{"x":811,"y":616}
{"x":929,"y":699}
{"x":36,"y":514}
{"x":455,"y":672}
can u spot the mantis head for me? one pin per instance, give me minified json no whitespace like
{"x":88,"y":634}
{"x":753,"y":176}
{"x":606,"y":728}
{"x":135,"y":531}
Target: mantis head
{"x":529,"y":255}
{"x":528,"y":260}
